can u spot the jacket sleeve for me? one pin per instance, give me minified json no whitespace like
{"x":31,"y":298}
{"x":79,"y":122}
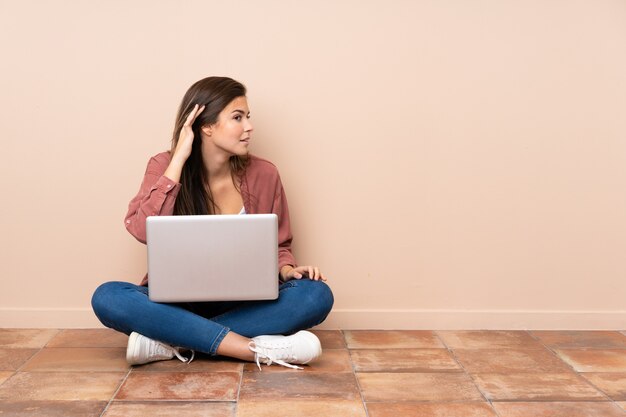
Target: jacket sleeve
{"x":156,"y":197}
{"x":281,"y":209}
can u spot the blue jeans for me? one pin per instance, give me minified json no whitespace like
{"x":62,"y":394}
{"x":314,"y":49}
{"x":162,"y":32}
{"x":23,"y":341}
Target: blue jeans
{"x":125,"y":307}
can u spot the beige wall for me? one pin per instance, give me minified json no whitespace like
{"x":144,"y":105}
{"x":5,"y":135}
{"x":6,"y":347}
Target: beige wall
{"x":449,"y":163}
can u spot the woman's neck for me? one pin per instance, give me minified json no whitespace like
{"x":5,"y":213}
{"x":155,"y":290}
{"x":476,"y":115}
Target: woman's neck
{"x":217,"y":163}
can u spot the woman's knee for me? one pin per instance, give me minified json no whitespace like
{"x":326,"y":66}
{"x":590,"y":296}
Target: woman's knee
{"x":110,"y":299}
{"x":316,"y":296}
{"x":103,"y":295}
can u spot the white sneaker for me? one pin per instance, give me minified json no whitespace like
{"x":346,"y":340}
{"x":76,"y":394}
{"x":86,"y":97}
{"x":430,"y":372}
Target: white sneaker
{"x":142,"y":350}
{"x":300,"y":348}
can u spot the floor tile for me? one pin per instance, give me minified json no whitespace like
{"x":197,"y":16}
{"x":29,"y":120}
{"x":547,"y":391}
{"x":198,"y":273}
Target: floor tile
{"x":12,"y":359}
{"x":199,"y":364}
{"x":594,"y":360}
{"x":612,"y":384}
{"x":418,"y":387}
{"x":78,"y":359}
{"x":488,"y":339}
{"x":558,"y":409}
{"x":287,"y":408}
{"x":207,"y":386}
{"x":332,"y":360}
{"x":26,"y":338}
{"x":391,"y":339}
{"x":581,"y":339}
{"x":298,"y":386}
{"x":4,"y":375}
{"x":169,"y":409}
{"x":52,"y":408}
{"x":84,"y":386}
{"x":510,"y":360}
{"x":331,"y":339}
{"x":544,"y":387}
{"x":403,"y":360}
{"x":88,"y":338}
{"x":401,"y":373}
{"x":430,"y":410}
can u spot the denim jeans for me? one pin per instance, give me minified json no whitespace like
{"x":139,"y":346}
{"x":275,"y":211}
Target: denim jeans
{"x":125,"y":307}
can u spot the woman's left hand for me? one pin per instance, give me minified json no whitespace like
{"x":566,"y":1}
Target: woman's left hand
{"x":311,"y":272}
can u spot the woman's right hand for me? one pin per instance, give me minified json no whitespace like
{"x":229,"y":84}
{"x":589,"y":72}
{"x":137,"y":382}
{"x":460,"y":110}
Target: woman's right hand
{"x":183,"y":146}
{"x":185,"y":137}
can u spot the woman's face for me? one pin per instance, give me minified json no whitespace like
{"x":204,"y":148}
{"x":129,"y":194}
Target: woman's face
{"x":232,"y":131}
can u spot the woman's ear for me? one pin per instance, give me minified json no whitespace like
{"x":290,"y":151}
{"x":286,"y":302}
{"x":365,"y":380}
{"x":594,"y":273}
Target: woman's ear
{"x":207,"y":130}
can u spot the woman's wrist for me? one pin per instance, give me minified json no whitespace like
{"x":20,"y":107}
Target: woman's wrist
{"x":174,"y":169}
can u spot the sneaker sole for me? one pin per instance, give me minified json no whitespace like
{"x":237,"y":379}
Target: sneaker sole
{"x":132,"y":349}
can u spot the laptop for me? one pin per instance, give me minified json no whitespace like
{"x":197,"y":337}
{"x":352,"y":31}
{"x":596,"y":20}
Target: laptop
{"x":228,"y":257}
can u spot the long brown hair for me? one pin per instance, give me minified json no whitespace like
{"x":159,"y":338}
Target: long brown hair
{"x":215,"y":93}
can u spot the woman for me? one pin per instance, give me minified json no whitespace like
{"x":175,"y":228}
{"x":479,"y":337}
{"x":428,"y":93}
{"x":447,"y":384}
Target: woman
{"x":209,"y":171}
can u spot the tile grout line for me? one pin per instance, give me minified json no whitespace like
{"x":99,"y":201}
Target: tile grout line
{"x":243,"y":366}
{"x":37,"y":350}
{"x":19,"y":368}
{"x":30,"y":358}
{"x":451,"y":351}
{"x":578,"y":374}
{"x":119,"y":387}
{"x":354,"y":373}
{"x":16,"y":371}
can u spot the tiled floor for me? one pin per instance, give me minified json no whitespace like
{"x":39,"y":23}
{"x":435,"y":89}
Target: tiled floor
{"x":361,"y":373}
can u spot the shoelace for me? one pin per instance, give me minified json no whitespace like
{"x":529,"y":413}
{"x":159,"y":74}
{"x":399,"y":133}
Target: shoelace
{"x":184,"y":359}
{"x":269,"y":357}
{"x":176,"y":352}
